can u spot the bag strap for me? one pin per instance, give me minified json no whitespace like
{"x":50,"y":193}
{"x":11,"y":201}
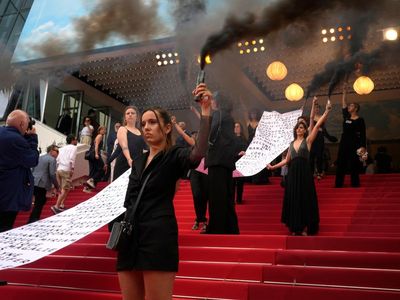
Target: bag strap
{"x":132,"y":214}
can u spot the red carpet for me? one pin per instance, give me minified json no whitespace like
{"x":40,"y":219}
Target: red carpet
{"x":355,"y":256}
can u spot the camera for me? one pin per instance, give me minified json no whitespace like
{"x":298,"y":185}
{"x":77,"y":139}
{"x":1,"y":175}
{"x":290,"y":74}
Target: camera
{"x":31,"y":123}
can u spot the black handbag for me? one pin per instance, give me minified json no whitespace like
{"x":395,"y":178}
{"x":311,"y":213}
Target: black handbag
{"x":87,"y":155}
{"x":121,"y":231}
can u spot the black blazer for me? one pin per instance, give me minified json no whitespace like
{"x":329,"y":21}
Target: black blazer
{"x":155,"y":235}
{"x":221,"y":142}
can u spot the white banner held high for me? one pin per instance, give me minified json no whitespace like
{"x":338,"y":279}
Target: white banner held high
{"x":31,"y":242}
{"x":273,"y":135}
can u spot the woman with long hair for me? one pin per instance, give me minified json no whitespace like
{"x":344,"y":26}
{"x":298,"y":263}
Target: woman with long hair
{"x":300,"y":211}
{"x":130,"y":140}
{"x":96,"y":163}
{"x":241,"y":146}
{"x":148,"y":264}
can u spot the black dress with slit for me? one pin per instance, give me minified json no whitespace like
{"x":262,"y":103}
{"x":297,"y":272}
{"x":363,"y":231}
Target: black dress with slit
{"x":300,"y":205}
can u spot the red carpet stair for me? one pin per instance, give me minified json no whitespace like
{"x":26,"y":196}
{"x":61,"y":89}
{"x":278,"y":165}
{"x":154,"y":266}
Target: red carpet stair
{"x":355,"y":256}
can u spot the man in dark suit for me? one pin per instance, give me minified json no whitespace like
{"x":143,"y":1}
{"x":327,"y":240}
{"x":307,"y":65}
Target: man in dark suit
{"x":64,"y":122}
{"x":44,"y":177}
{"x":18,"y":154}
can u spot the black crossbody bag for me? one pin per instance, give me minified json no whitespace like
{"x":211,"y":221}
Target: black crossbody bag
{"x":122,"y":231}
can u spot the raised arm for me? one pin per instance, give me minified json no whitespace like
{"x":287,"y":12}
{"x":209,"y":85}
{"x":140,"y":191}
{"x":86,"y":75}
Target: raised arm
{"x":188,"y":139}
{"x":312,"y":113}
{"x":200,"y":148}
{"x":195,"y":111}
{"x":344,"y":103}
{"x":313,"y":134}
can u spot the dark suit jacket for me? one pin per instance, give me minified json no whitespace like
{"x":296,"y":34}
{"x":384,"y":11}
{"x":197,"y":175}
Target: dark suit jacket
{"x":155,"y":239}
{"x":221,"y":148}
{"x":44,"y":173}
{"x":18,"y":154}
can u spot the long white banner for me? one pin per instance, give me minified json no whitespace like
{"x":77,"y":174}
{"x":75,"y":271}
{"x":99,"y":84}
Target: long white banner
{"x":33,"y":241}
{"x":273,"y":136}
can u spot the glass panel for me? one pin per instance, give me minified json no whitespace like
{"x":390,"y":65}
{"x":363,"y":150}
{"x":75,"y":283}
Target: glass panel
{"x":18,"y":3}
{"x":16,"y":32}
{"x":11,"y":9}
{"x":33,"y":104}
{"x":28,"y":4}
{"x":5,"y":27}
{"x":3,"y":6}
{"x":70,"y":113}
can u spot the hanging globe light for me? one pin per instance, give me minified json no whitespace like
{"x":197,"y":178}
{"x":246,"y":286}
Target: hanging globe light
{"x":363,"y":85}
{"x":276,"y":70}
{"x":294,"y":92}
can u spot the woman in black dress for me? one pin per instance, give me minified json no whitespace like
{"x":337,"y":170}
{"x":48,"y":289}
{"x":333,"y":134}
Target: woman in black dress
{"x":146,"y":268}
{"x":240,"y":148}
{"x":353,"y":138}
{"x":300,"y":205}
{"x":130,"y":141}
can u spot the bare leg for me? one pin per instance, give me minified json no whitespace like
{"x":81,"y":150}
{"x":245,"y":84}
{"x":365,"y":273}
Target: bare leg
{"x":61,"y":197}
{"x":158,"y":285}
{"x":132,"y":286}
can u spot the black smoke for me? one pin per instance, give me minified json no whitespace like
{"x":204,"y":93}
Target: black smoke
{"x":275,"y":17}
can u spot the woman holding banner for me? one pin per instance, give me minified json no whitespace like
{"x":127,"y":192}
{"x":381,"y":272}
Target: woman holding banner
{"x":300,"y":206}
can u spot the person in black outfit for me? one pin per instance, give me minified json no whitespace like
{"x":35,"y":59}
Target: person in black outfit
{"x":353,"y":138}
{"x":383,"y":161}
{"x":112,"y":136}
{"x":92,"y":114}
{"x":254,"y":118}
{"x":44,"y":175}
{"x":147,"y":265}
{"x":300,"y":211}
{"x":130,"y":141}
{"x":240,"y":148}
{"x":96,"y":162}
{"x":220,"y":161}
{"x":64,"y":122}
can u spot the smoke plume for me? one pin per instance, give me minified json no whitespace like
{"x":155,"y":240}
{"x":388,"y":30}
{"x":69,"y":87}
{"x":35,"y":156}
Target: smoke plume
{"x":275,"y":17}
{"x":127,"y":19}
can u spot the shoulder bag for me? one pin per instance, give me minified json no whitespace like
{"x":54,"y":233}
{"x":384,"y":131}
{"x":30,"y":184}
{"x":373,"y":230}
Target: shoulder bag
{"x":122,"y":231}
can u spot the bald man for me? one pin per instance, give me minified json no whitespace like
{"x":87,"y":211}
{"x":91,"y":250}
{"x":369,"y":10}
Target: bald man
{"x":18,"y":154}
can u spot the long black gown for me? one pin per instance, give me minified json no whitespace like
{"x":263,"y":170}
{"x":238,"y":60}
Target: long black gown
{"x":300,"y":204}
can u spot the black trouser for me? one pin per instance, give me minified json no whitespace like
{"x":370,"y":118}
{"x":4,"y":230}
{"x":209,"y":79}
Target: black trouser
{"x":96,"y":170}
{"x":40,"y":201}
{"x":223,"y":219}
{"x":347,"y":161}
{"x":7,"y":219}
{"x":238,"y":184}
{"x":199,"y":185}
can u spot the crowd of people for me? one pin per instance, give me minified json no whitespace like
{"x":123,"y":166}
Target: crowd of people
{"x":143,"y":143}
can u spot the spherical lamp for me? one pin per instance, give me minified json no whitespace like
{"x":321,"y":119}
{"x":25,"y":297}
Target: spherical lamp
{"x":294,"y":92}
{"x":276,"y":70}
{"x":363,"y":85}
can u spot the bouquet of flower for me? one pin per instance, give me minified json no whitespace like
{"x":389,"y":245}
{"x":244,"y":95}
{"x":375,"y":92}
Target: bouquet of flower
{"x":362,"y":154}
